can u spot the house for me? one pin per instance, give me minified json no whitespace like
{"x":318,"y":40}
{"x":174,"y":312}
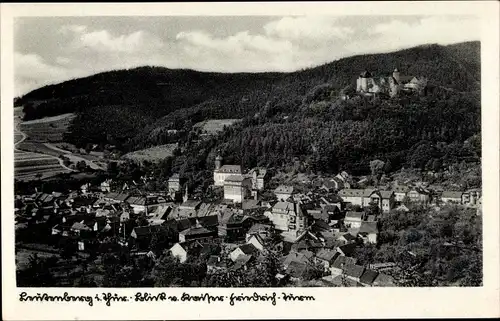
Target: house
{"x":141,"y":235}
{"x":418,"y":195}
{"x":183,"y":250}
{"x":287,"y":217}
{"x":304,"y":257}
{"x":230,"y":224}
{"x":347,"y":249}
{"x":215,"y":263}
{"x":353,"y":196}
{"x":257,"y":241}
{"x":368,"y":277}
{"x":347,"y":238}
{"x":237,"y":188}
{"x":371,"y":196}
{"x":368,"y":232}
{"x":245,"y":249}
{"x":353,"y":219}
{"x":221,"y":173}
{"x":353,"y":271}
{"x":392,"y":85}
{"x":106,"y":186}
{"x":190,"y":205}
{"x":174,"y":183}
{"x":262,"y":230}
{"x":116,"y":197}
{"x":326,"y":257}
{"x":451,"y":197}
{"x":400,"y":192}
{"x":241,"y":262}
{"x":197,"y":232}
{"x":283,"y":192}
{"x":388,"y":201}
{"x":78,"y":227}
{"x":258,"y":177}
{"x":471,"y":197}
{"x":337,"y":267}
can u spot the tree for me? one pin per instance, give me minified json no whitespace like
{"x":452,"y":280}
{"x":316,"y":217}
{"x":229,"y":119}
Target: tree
{"x":376,"y":167}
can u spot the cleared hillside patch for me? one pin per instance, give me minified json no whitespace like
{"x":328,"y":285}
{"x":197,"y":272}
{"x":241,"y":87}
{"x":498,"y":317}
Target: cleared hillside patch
{"x":153,"y":154}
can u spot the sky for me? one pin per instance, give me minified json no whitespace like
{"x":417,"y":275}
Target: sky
{"x":53,"y":49}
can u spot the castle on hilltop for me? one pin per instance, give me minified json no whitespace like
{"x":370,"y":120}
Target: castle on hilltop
{"x":369,"y":85}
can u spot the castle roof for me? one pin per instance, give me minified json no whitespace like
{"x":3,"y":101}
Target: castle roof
{"x":236,"y":169}
{"x":365,"y":74}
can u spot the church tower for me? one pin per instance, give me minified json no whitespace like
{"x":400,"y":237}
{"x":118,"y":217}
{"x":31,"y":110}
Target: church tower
{"x":395,"y":74}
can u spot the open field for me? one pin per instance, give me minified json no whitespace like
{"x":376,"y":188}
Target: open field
{"x":152,"y":154}
{"x":48,"y":129}
{"x":213,"y":126}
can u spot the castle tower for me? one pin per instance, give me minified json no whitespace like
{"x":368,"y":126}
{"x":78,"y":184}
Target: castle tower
{"x":363,"y":79}
{"x":218,"y":162}
{"x":395,"y":74}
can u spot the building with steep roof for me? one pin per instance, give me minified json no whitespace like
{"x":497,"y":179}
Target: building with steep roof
{"x":391,"y":85}
{"x":237,"y":188}
{"x":222,"y":172}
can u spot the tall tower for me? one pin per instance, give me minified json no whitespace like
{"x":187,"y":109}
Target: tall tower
{"x":395,"y":74}
{"x":186,"y":195}
{"x":218,"y":162}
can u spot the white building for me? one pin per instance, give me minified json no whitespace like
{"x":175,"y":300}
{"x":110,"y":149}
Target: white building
{"x":283,"y":192}
{"x":237,"y":188}
{"x":221,"y":173}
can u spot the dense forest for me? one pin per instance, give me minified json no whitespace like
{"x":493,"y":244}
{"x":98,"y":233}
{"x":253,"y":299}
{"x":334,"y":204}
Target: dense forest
{"x":287,"y":116}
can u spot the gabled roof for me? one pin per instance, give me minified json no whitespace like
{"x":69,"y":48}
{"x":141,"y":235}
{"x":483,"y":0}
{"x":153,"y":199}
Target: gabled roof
{"x":401,"y":189}
{"x":258,"y":228}
{"x":174,"y":177}
{"x":285,"y":206}
{"x":348,"y":249}
{"x":368,"y":277}
{"x":386,"y":194}
{"x":142,"y":231}
{"x":235,"y":178}
{"x":368,"y":228}
{"x":353,"y":270}
{"x":236,"y":169}
{"x":248,"y":249}
{"x":196,"y":231}
{"x":367,"y":192}
{"x":284,"y":189}
{"x":327,"y":255}
{"x":365,"y":74}
{"x":354,"y":216}
{"x":351,"y":192}
{"x":450,"y":194}
{"x":80,"y":226}
{"x":191,"y":204}
{"x":341,"y":261}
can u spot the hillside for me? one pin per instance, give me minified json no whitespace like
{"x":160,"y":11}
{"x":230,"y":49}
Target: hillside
{"x":134,"y":109}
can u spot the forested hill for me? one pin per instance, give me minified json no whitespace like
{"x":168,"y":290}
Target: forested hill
{"x":134,"y":108}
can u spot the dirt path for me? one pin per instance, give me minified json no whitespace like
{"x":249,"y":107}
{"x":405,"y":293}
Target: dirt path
{"x":73,"y":157}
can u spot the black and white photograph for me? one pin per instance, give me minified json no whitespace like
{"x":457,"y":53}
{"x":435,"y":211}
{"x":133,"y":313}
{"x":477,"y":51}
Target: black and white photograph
{"x":248,"y":151}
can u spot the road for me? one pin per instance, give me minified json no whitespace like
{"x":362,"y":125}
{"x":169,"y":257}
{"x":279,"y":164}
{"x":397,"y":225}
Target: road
{"x":17,"y":121}
{"x":74,"y":158}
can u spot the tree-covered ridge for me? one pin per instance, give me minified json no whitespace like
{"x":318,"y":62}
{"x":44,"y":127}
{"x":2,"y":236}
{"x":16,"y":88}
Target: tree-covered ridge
{"x":161,"y":98}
